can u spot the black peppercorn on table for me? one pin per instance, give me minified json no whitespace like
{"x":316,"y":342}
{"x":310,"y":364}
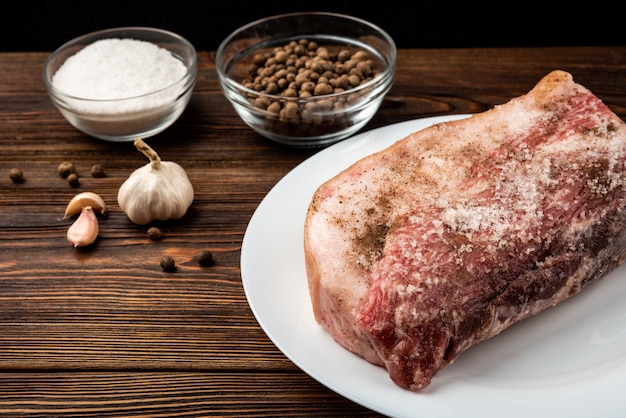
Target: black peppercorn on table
{"x":104,"y":330}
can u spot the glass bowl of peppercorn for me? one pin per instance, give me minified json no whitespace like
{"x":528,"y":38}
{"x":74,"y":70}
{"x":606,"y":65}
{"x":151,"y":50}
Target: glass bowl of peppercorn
{"x":122,"y":83}
{"x":306,"y":80}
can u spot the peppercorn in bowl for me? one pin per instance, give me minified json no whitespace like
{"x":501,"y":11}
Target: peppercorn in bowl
{"x":306,"y":79}
{"x":122,"y":83}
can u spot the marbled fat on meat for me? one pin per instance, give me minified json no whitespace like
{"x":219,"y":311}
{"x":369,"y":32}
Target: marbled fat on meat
{"x":460,"y":230}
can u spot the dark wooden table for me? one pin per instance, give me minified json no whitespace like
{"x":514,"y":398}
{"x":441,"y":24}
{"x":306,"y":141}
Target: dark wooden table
{"x":105,"y":331}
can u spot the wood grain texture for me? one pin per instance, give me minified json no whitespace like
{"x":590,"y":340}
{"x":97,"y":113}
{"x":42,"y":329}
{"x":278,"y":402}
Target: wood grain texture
{"x":104,"y":331}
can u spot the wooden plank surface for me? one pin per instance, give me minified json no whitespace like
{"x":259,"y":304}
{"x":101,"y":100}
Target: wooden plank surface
{"x":104,"y":331}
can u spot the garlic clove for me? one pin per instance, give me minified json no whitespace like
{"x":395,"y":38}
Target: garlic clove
{"x":84,"y":230}
{"x":83,"y":199}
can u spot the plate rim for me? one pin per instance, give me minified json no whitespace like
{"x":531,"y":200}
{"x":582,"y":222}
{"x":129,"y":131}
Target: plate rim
{"x":345,"y":146}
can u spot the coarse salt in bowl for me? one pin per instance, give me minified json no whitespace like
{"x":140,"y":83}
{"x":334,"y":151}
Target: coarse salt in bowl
{"x":122,"y":83}
{"x":293,"y":78}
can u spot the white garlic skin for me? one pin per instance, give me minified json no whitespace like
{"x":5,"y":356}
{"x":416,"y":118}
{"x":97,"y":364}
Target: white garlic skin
{"x":156,"y":194}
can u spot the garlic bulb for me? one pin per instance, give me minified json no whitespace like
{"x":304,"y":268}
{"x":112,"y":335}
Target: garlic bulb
{"x":160,"y":190}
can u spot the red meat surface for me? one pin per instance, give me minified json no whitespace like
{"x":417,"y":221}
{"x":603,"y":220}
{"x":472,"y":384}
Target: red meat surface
{"x":460,"y":230}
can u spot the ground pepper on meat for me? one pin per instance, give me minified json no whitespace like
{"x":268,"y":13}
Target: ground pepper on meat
{"x":372,"y":243}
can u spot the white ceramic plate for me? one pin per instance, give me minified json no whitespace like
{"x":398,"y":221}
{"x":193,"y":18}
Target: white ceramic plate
{"x":569,"y":361}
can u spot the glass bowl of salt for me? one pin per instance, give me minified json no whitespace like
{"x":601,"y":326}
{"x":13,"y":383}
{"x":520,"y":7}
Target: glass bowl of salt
{"x":122,"y":83}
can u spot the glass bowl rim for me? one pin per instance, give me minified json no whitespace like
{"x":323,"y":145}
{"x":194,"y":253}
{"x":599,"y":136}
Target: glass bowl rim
{"x":384,"y":76}
{"x":189,"y":76}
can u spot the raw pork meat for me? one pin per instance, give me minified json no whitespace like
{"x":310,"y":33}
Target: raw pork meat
{"x":460,"y":230}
